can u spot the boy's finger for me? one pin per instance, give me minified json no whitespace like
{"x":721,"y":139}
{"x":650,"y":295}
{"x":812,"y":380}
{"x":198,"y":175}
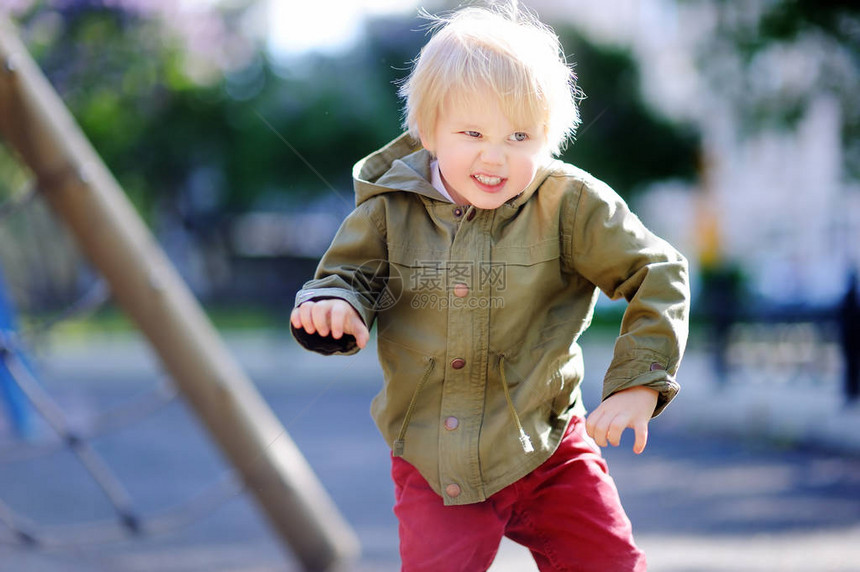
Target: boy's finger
{"x":296,"y":318}
{"x":357,"y":328}
{"x":338,"y":321}
{"x":641,"y":438}
{"x":595,"y":429}
{"x":616,"y":429}
{"x":321,"y":314}
{"x":305,"y":312}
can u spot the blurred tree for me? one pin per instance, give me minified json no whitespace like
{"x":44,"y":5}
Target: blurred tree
{"x":772,"y":58}
{"x":209,"y":141}
{"x":622,"y":139}
{"x":127,"y":72}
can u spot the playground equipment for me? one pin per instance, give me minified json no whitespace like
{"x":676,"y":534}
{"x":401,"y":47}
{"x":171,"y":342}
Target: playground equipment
{"x":75,"y":182}
{"x":10,"y":392}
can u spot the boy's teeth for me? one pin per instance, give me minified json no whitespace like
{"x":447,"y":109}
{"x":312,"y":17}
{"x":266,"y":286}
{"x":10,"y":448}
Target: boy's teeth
{"x":489,"y":180}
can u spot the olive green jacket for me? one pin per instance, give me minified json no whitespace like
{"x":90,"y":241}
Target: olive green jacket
{"x":478,"y":313}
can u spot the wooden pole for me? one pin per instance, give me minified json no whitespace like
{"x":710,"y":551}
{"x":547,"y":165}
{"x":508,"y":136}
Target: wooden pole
{"x":36,"y":124}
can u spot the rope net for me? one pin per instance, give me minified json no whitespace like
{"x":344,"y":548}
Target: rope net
{"x":55,"y":429}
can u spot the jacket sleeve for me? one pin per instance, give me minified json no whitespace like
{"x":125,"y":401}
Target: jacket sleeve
{"x":611,"y":248}
{"x":353,"y":269}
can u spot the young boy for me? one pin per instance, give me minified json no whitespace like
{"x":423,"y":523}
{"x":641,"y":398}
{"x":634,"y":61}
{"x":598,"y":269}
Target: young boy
{"x":480,"y":258}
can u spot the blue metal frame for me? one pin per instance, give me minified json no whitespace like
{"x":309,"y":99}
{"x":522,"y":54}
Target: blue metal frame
{"x":17,"y":406}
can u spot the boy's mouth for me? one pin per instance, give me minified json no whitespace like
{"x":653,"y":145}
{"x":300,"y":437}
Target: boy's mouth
{"x":488,"y":181}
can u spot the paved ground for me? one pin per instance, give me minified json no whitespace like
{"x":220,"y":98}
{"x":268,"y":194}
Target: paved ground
{"x":701,"y":498}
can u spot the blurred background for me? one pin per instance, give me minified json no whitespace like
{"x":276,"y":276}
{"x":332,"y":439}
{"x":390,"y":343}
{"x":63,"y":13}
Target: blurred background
{"x":232,"y":125}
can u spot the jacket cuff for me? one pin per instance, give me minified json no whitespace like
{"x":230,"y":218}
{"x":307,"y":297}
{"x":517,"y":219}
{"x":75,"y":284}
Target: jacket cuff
{"x":654,"y":376}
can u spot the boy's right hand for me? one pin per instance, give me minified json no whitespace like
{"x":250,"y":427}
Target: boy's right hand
{"x":332,"y":317}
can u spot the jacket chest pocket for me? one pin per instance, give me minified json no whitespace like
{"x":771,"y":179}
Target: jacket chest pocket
{"x":517,"y":267}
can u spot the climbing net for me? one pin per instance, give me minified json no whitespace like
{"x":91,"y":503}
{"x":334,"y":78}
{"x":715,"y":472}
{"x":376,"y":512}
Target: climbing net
{"x":44,"y":284}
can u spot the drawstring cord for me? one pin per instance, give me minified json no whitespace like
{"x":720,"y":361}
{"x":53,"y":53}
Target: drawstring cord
{"x":400,"y":444}
{"x":525,"y":441}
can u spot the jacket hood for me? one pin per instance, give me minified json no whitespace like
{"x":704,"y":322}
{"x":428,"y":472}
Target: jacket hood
{"x":404,"y":165}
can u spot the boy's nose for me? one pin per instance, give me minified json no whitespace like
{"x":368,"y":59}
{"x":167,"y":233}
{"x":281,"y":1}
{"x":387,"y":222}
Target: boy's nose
{"x":492,"y":155}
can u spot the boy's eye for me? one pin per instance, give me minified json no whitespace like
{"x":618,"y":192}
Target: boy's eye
{"x":471,"y":134}
{"x":519,"y":136}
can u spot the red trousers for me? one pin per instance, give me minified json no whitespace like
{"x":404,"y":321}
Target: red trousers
{"x":567,"y":512}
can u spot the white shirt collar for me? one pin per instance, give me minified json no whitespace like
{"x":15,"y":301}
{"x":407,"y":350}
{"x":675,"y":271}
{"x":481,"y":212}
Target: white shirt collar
{"x":436,"y":180}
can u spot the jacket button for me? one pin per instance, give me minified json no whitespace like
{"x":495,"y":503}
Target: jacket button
{"x":461,"y":290}
{"x":458,"y":363}
{"x":452,"y":491}
{"x":458,"y":212}
{"x":471,"y":214}
{"x":452,"y":423}
{"x":657,"y":367}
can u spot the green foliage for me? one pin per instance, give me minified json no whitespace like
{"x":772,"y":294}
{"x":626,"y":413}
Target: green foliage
{"x":117,"y":73}
{"x":622,"y":140}
{"x":789,"y":19}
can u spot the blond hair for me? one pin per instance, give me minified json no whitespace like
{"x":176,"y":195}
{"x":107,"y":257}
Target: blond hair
{"x":507,"y":51}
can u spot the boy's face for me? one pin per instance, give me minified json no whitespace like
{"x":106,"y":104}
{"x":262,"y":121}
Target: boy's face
{"x":484,"y":159}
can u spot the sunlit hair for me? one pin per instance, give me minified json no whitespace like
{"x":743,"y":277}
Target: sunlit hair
{"x":504,"y":50}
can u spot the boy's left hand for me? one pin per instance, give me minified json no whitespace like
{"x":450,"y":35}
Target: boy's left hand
{"x":631,"y":408}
